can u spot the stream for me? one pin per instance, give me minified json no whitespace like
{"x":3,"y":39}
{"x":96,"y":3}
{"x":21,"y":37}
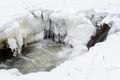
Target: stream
{"x":42,"y":56}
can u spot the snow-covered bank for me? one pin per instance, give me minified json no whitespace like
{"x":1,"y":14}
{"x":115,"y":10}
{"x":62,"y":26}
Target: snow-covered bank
{"x":101,"y":62}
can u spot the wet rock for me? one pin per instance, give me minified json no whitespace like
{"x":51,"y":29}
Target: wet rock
{"x":101,"y":34}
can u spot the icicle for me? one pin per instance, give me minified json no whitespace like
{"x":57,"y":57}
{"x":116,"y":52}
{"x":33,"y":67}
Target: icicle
{"x":14,"y":37}
{"x":13,"y":45}
{"x":58,"y":27}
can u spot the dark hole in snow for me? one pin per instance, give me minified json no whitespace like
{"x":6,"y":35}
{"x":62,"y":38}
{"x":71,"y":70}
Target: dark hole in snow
{"x":5,"y":54}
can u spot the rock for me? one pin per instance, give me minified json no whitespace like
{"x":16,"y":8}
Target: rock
{"x":101,"y":34}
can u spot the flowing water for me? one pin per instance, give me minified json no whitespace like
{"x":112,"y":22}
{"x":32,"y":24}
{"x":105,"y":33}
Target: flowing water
{"x":42,"y":56}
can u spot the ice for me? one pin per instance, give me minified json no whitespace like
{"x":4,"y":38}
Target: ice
{"x":58,"y":26}
{"x":13,"y":36}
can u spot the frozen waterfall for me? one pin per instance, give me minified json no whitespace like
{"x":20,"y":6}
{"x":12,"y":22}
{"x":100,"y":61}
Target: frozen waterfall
{"x":70,"y":34}
{"x":37,"y":24}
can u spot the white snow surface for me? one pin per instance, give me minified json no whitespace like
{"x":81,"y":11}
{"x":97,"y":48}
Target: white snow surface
{"x":101,"y":62}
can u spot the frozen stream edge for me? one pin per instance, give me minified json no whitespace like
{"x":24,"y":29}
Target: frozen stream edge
{"x":77,"y":48}
{"x":37,"y":24}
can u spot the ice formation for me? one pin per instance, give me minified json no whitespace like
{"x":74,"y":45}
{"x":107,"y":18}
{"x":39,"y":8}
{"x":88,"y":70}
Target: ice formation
{"x":37,"y":24}
{"x":80,"y":29}
{"x":102,"y":60}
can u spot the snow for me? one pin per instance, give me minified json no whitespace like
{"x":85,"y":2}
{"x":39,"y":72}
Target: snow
{"x":101,"y":62}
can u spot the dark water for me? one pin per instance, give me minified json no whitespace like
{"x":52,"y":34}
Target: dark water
{"x":42,"y":56}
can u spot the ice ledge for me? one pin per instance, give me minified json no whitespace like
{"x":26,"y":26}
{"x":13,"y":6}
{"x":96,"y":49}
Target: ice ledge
{"x":65,"y":27}
{"x":37,"y":24}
